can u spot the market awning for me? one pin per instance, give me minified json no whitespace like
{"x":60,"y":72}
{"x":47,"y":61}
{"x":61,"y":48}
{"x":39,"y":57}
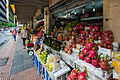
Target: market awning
{"x":25,"y":9}
{"x":7,"y":24}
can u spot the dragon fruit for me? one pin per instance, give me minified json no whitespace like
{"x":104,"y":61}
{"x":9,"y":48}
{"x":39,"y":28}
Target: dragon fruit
{"x":81,"y":27}
{"x":81,"y":56}
{"x":96,"y":28}
{"x":95,"y":62}
{"x":92,"y":53}
{"x":85,"y":51}
{"x":77,"y":27}
{"x":105,"y":66}
{"x":74,"y":74}
{"x":82,"y":75}
{"x":89,"y":45}
{"x":91,"y":27}
{"x":70,"y":44}
{"x":95,"y":46}
{"x":88,"y":59}
{"x":69,"y":77}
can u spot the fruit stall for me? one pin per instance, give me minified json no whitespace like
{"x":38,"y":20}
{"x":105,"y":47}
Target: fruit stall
{"x":77,"y":47}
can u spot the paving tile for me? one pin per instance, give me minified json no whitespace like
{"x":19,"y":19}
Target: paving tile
{"x":22,"y":71}
{"x":3,"y":61}
{"x":28,"y":66}
{"x":29,"y":74}
{"x":17,"y":69}
{"x":27,"y":61}
{"x":18,"y":60}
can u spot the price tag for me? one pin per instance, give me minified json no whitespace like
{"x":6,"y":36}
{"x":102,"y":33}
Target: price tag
{"x":95,"y":41}
{"x":78,"y":46}
{"x":87,"y":28}
{"x":76,"y":50}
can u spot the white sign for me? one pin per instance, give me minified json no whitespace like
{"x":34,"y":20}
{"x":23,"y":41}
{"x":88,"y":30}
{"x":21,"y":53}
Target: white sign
{"x":104,"y":51}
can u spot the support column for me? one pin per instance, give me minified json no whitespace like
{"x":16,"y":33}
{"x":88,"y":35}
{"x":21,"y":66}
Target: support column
{"x":111,"y":10}
{"x":34,"y":22}
{"x":106,"y":14}
{"x":46,"y":18}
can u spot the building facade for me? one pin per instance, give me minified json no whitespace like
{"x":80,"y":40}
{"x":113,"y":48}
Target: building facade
{"x":3,"y":11}
{"x":11,"y":15}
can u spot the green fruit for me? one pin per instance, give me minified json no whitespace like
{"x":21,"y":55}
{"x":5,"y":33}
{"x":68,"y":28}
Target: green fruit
{"x":27,"y":41}
{"x":50,"y":67}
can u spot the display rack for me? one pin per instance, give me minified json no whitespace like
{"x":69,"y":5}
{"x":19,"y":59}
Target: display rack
{"x":73,"y":61}
{"x":58,"y":75}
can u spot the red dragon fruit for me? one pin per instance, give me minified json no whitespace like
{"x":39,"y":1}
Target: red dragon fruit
{"x":81,"y":56}
{"x":96,"y":28}
{"x":77,"y":27}
{"x":92,"y":53}
{"x":89,"y":46}
{"x":82,"y":75}
{"x":74,"y":74}
{"x":81,"y":27}
{"x":85,"y":51}
{"x":98,"y":33}
{"x":88,"y":59}
{"x":105,"y":66}
{"x":91,"y":27}
{"x":69,"y":77}
{"x":95,"y":46}
{"x":95,"y":62}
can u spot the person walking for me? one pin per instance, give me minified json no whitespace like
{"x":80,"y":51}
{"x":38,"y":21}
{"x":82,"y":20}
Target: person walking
{"x":14,"y":33}
{"x":24,"y":34}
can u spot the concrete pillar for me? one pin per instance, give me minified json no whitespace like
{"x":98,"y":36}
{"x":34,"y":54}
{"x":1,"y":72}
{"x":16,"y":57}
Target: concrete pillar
{"x":106,"y":14}
{"x":34,"y":22}
{"x":46,"y":18}
{"x":111,"y":13}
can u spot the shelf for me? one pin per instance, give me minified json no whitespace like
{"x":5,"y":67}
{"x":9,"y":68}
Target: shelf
{"x":74,"y":62}
{"x":56,"y":74}
{"x":92,"y":18}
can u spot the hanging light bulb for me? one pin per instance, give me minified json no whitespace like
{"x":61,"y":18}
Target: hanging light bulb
{"x":83,"y":10}
{"x":93,"y":3}
{"x":75,"y":13}
{"x":93,"y":8}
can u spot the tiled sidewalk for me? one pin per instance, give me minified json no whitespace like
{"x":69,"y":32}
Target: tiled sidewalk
{"x":22,"y":60}
{"x":7,"y":51}
{"x":5,"y":71}
{"x":30,"y":74}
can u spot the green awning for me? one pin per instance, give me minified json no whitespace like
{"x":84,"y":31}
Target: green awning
{"x":8,"y":24}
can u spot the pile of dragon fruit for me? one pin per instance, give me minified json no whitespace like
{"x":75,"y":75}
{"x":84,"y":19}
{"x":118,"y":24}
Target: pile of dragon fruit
{"x":90,"y":55}
{"x":77,"y":75}
{"x":105,"y":37}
